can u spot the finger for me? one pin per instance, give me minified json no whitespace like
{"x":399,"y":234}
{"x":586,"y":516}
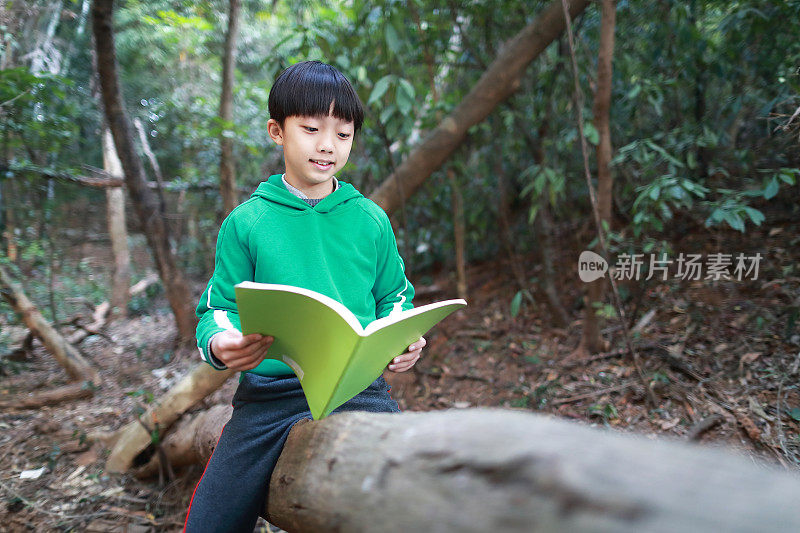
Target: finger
{"x":400,"y":368}
{"x":251,"y":348}
{"x":408,"y":356}
{"x":247,"y":356}
{"x":250,"y":340}
{"x":418,"y":345}
{"x":246,"y":363}
{"x":403,"y":366}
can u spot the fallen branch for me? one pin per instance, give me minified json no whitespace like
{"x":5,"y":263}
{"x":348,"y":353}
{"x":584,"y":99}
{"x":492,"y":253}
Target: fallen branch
{"x":592,"y":394}
{"x":65,"y":353}
{"x":190,"y":440}
{"x":34,"y":400}
{"x":133,"y":439}
{"x":605,"y":355}
{"x":102,"y":311}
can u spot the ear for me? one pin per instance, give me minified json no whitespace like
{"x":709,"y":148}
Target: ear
{"x":275,"y":131}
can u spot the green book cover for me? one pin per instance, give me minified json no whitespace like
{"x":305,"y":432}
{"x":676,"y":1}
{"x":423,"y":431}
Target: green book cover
{"x":332,"y":355}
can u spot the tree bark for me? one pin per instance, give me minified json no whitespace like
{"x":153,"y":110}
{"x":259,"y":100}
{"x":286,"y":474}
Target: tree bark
{"x":602,"y":103}
{"x":500,"y":81}
{"x":9,"y":221}
{"x":78,"y":368}
{"x":162,"y":205}
{"x":117,"y":231}
{"x":502,"y":470}
{"x":133,"y":439}
{"x":144,"y":201}
{"x":227,"y":172}
{"x":458,"y":234}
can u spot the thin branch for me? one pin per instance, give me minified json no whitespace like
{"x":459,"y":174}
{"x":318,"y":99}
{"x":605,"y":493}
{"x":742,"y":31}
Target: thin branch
{"x":596,"y":210}
{"x":18,"y":96}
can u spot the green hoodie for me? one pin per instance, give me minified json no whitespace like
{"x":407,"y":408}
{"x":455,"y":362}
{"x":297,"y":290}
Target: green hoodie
{"x":343,"y":247}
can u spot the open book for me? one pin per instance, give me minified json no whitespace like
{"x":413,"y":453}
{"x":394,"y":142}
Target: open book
{"x":323,"y":341}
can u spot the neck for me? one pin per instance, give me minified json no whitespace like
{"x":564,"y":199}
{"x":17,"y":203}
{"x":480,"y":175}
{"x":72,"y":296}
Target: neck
{"x":318,"y":191}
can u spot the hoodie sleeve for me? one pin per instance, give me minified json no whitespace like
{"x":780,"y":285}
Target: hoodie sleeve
{"x":392,"y":290}
{"x":217,"y":308}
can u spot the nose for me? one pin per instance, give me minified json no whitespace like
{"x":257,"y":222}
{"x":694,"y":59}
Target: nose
{"x":325,"y":144}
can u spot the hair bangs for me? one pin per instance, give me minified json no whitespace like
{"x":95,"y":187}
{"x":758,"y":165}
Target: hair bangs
{"x":309,"y":88}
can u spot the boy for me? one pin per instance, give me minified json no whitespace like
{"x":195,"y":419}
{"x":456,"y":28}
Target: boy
{"x":308,"y":229}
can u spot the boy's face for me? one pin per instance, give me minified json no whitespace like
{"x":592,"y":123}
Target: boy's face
{"x":314,"y":149}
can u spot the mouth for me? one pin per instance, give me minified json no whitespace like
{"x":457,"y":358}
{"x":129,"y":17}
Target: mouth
{"x":322,"y":164}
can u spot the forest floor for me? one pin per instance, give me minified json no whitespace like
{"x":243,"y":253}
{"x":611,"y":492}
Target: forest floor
{"x":722,"y":359}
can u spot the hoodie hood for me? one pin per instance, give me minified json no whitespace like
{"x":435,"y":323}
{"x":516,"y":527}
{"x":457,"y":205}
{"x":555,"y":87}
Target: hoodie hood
{"x":274,"y":191}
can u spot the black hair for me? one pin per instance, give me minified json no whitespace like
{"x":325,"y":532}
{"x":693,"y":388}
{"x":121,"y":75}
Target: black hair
{"x":308,"y":88}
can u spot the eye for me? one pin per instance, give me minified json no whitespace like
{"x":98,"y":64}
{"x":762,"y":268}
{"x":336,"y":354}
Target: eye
{"x":344,"y":135}
{"x":309,"y":129}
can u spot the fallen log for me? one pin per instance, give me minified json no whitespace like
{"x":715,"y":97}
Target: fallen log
{"x":501,"y":470}
{"x":77,"y":367}
{"x":34,"y":400}
{"x":133,"y":439}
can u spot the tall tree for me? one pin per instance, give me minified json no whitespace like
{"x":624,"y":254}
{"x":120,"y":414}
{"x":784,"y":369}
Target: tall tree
{"x":145,"y":202}
{"x":117,"y":230}
{"x":591,"y":340}
{"x":227,"y":176}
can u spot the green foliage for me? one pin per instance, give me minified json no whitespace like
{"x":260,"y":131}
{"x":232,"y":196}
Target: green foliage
{"x":144,"y":394}
{"x":606,"y":411}
{"x":657,"y":201}
{"x":516,"y":301}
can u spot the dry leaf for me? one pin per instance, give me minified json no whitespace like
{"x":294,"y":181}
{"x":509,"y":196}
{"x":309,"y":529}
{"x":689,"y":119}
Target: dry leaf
{"x":749,"y":427}
{"x":748,"y":358}
{"x":669,"y":424}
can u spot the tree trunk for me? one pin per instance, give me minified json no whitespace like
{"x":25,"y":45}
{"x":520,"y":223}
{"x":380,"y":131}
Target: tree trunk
{"x":9,"y":226}
{"x":144,"y":201}
{"x":500,"y":81}
{"x":148,"y":152}
{"x":133,"y":439}
{"x":543,"y":226}
{"x":506,"y":233}
{"x":227,"y":175}
{"x":117,"y":231}
{"x":602,"y":103}
{"x":501,"y":470}
{"x":458,"y":234}
{"x":67,"y":356}
{"x":544,"y":229}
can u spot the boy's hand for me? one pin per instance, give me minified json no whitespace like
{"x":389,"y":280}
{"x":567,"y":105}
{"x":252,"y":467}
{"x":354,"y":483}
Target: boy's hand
{"x":406,"y":360}
{"x":239,"y":352}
